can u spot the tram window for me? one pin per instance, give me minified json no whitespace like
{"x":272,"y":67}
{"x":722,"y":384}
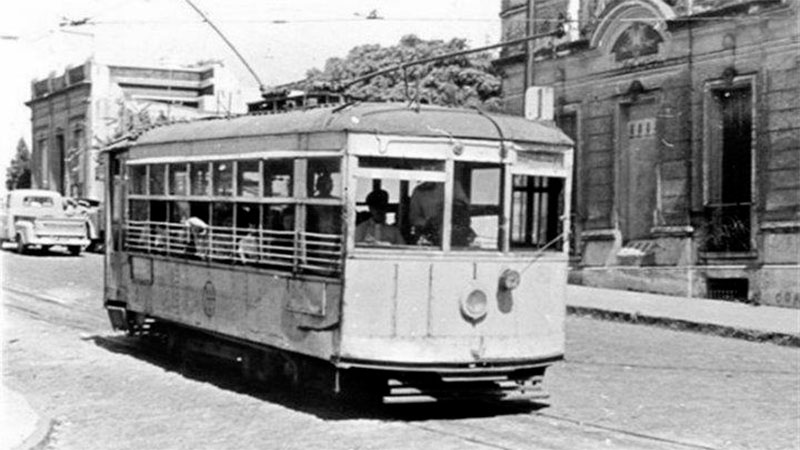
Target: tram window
{"x":178,"y":211}
{"x":278,"y":217}
{"x":278,"y":236}
{"x":476,"y":206}
{"x":247,"y":178}
{"x":222,"y":244}
{"x":324,"y":178}
{"x":247,"y":215}
{"x":222,"y":214}
{"x":200,"y":178}
{"x":425,"y":213}
{"x":536,"y":208}
{"x":380,"y":208}
{"x":278,"y":177}
{"x":178,"y":183}
{"x":247,"y":233}
{"x":158,"y":211}
{"x":324,"y":219}
{"x":223,"y":178}
{"x":157,"y":177}
{"x":199,"y":210}
{"x":138,"y":210}
{"x":138,"y":176}
{"x":401,"y":163}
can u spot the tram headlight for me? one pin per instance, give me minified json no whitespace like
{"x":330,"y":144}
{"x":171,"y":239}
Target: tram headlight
{"x":510,"y":279}
{"x":475,"y":305}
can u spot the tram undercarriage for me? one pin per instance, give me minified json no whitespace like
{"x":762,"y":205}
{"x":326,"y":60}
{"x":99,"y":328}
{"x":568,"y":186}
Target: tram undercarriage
{"x":272,"y":368}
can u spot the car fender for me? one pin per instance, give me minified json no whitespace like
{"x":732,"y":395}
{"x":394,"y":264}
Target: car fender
{"x":23,"y":228}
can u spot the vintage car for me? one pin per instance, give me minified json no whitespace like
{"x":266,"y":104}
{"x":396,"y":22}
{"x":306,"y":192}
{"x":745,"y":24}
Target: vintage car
{"x":92,"y":211}
{"x":32,"y":217}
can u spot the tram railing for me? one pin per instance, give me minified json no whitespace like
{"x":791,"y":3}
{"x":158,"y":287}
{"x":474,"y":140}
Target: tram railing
{"x":291,"y":251}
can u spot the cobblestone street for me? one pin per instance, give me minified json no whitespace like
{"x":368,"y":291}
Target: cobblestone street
{"x":622,"y":386}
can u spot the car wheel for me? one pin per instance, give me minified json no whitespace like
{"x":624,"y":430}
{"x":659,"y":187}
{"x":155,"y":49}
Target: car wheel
{"x":22,"y":248}
{"x":74,"y":250}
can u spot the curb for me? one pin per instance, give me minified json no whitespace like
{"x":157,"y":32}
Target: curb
{"x":788,"y":340}
{"x":40,"y":438}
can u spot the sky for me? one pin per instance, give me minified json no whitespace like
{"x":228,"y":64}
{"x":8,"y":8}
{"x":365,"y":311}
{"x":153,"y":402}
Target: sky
{"x":280,"y":39}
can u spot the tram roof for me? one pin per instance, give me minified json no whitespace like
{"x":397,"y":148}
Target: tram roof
{"x":380,"y":118}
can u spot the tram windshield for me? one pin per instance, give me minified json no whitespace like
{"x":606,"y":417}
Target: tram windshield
{"x":413,"y":212}
{"x":401,"y":204}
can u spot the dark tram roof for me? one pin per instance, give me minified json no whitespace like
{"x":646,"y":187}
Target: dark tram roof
{"x":381,"y":118}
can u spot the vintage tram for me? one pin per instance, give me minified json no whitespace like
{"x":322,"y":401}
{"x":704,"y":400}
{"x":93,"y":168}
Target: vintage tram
{"x":412,"y":252}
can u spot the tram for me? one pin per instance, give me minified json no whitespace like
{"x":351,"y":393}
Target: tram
{"x":412,"y":252}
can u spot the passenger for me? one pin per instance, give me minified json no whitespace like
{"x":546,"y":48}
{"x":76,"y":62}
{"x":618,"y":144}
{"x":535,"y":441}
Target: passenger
{"x":247,"y":248}
{"x":324,"y":185}
{"x":425,"y":214}
{"x":159,"y":238}
{"x":324,"y":218}
{"x":374,"y":230}
{"x":197,"y":233}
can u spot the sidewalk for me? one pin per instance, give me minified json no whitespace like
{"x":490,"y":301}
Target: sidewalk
{"x":20,"y":426}
{"x":737,"y":320}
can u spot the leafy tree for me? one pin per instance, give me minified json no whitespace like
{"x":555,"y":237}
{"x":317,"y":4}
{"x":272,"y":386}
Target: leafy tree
{"x":468,"y":80}
{"x":18,"y":174}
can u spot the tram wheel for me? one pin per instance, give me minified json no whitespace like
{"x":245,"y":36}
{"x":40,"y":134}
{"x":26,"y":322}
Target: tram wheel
{"x":290,"y":372}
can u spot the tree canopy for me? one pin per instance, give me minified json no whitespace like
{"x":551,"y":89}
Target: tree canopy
{"x":468,"y":80}
{"x":18,"y":174}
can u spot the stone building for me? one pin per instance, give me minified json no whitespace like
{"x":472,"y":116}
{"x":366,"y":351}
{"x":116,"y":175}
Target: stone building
{"x":686,"y":116}
{"x":75,"y":113}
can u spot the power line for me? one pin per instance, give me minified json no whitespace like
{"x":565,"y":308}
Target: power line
{"x":261,"y":86}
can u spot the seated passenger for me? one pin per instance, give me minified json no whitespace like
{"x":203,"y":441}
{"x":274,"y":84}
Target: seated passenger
{"x":374,"y":230}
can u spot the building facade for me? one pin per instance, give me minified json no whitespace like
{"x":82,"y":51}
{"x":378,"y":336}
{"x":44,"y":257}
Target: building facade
{"x":76,"y":113}
{"x":686,"y":116}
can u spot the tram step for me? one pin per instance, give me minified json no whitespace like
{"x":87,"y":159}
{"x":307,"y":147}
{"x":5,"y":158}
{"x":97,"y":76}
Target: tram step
{"x":503,"y":389}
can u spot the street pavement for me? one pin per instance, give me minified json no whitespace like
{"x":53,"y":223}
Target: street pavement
{"x":22,"y":427}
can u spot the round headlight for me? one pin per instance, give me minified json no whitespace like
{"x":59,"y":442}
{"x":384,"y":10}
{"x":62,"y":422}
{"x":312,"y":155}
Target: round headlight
{"x":475,"y":305}
{"x":509,"y":279}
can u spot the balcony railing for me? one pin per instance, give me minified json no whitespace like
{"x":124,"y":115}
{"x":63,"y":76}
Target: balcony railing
{"x":727,"y":228}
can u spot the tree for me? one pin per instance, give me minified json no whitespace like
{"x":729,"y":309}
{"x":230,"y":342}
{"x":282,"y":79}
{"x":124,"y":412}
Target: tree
{"x":468,"y":80}
{"x":18,"y":174}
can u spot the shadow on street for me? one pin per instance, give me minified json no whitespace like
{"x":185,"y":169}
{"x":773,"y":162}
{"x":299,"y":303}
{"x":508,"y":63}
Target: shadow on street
{"x":228,"y":375}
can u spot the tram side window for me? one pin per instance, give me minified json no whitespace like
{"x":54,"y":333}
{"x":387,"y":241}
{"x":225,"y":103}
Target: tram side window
{"x":138,"y":176}
{"x":223,"y":178}
{"x":222,"y":244}
{"x":278,"y":177}
{"x":248,"y":174}
{"x":323,"y":227}
{"x":248,"y":246}
{"x":157,"y":178}
{"x":200,"y":178}
{"x":324,"y":179}
{"x":178,"y":183}
{"x":278,"y":222}
{"x":536,"y":209}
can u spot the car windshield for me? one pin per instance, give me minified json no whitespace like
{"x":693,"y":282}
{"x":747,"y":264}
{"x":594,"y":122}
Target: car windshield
{"x":37,"y":202}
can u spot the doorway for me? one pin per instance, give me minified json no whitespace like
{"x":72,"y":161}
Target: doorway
{"x":638,"y":161}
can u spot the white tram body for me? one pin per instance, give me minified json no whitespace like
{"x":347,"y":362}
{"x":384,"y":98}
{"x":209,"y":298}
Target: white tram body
{"x":432,"y":318}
